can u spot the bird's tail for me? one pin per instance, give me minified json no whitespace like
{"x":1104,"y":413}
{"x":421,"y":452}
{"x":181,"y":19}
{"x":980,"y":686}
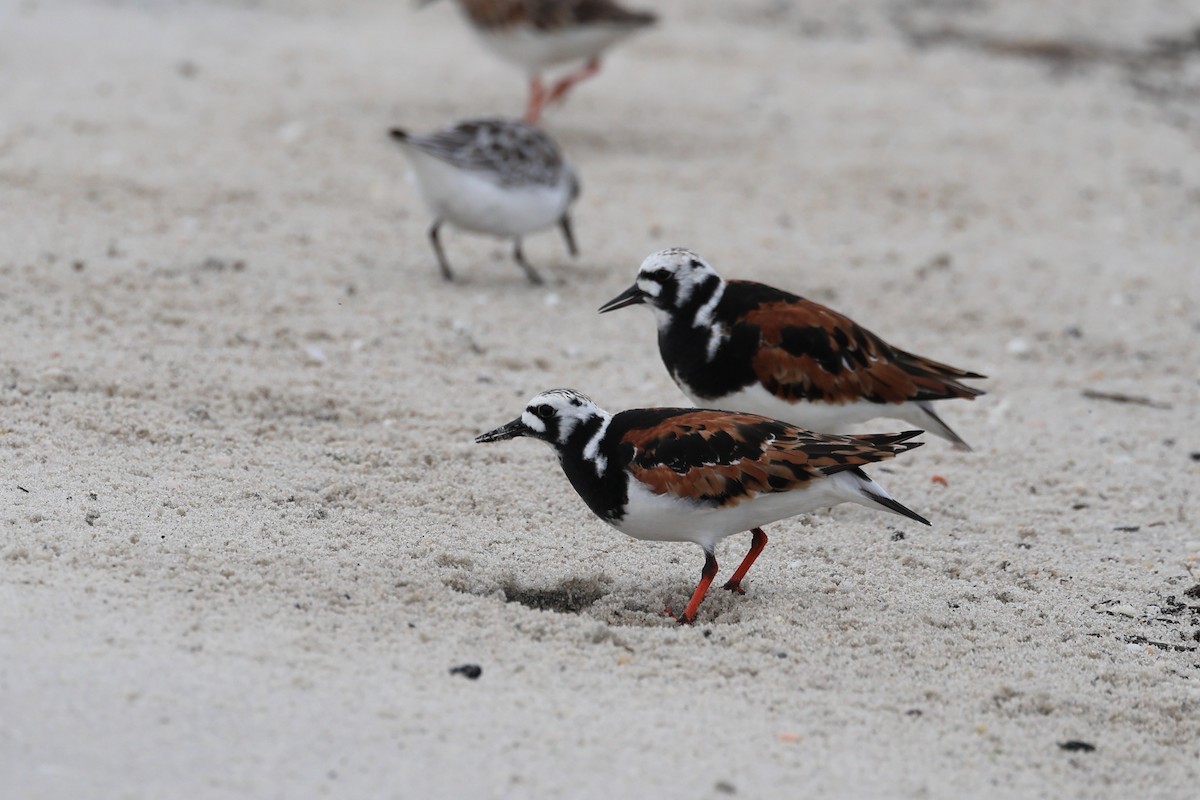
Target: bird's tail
{"x":870,"y":494}
{"x":922,"y":414}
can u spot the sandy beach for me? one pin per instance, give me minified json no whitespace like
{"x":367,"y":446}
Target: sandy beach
{"x":246,"y":533}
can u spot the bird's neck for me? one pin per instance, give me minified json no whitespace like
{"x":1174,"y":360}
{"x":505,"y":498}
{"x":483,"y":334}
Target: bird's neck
{"x":583,"y":443}
{"x":693,"y":306}
{"x":587,"y":461}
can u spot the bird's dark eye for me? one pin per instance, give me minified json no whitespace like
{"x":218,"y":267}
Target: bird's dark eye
{"x":545,"y":411}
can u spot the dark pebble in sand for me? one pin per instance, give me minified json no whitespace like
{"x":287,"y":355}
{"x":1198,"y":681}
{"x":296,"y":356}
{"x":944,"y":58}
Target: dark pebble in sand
{"x":471,"y":671}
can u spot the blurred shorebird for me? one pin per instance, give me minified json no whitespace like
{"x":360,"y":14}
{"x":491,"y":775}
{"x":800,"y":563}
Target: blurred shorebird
{"x":537,"y":34}
{"x":492,"y":175}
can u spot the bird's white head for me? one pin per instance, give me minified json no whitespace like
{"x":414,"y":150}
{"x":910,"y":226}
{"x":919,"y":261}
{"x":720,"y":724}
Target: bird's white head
{"x":671,"y":281}
{"x":551,"y":416}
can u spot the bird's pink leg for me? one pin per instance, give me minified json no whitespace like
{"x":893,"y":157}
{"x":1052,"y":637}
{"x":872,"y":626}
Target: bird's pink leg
{"x":537,"y":100}
{"x":706,"y":578}
{"x":563,"y":85}
{"x":734,"y":584}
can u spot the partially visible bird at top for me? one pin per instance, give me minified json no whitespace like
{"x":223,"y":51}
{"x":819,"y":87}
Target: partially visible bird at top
{"x":492,"y":175}
{"x":537,"y":34}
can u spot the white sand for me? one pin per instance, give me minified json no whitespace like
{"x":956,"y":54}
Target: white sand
{"x":245,"y":530}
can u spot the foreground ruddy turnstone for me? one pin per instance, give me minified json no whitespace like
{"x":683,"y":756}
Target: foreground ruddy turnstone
{"x":744,"y":345}
{"x":492,"y":175}
{"x":691,"y":475}
{"x":536,"y":34}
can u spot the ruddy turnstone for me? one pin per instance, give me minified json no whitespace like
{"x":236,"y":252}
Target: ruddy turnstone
{"x":746,"y":346}
{"x":492,"y":175}
{"x":536,"y":34}
{"x":691,"y":475}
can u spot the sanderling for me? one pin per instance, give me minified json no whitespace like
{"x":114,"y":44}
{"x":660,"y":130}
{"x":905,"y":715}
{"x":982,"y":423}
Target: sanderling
{"x":492,"y":175}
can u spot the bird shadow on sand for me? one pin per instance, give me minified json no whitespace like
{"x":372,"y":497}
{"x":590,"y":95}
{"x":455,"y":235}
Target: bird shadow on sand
{"x":571,"y":596}
{"x":629,"y":607}
{"x":596,"y":599}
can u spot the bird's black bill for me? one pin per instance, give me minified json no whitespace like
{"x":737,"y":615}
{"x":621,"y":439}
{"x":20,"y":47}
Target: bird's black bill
{"x":507,"y":431}
{"x":631,"y":296}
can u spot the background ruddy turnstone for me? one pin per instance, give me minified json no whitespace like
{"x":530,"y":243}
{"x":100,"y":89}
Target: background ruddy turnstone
{"x":536,"y":34}
{"x":747,"y":346}
{"x":692,"y":475}
{"x":492,"y":175}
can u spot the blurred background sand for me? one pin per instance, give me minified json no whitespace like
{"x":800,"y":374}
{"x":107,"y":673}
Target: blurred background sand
{"x":246,"y":533}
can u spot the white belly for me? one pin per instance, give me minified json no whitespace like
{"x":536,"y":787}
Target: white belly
{"x":534,"y":51}
{"x":472,"y":202}
{"x":820,"y":417}
{"x":664,"y":518}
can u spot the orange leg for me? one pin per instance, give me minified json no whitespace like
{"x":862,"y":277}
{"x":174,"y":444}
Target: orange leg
{"x":537,"y":100}
{"x":564,"y":84}
{"x":756,"y":546}
{"x":706,"y":578}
